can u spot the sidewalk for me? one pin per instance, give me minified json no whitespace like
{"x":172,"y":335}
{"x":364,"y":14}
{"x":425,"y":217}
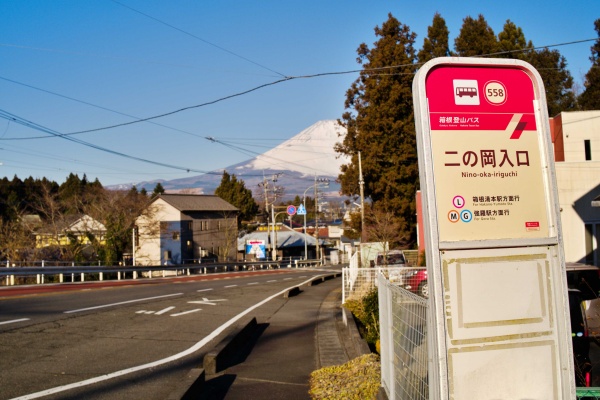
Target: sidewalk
{"x":307,"y":333}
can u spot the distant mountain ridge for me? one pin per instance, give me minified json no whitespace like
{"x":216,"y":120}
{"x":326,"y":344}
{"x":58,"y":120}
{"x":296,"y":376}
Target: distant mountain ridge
{"x":308,"y":155}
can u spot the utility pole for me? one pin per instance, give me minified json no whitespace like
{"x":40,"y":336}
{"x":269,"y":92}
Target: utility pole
{"x":361,"y":183}
{"x":317,"y":220}
{"x":265,"y":185}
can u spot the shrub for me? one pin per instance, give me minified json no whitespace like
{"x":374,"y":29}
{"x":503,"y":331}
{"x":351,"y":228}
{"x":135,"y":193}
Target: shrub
{"x":358,"y":379}
{"x":366,"y":312}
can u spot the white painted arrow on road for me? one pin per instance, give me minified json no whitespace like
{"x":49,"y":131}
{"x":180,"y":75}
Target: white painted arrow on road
{"x":207,"y":301}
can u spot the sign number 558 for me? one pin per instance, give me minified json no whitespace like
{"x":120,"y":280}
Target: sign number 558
{"x":495,"y":92}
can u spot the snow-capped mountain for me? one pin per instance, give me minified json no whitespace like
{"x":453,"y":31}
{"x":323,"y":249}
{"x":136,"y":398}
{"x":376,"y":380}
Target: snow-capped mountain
{"x":310,"y":152}
{"x":299,"y":160}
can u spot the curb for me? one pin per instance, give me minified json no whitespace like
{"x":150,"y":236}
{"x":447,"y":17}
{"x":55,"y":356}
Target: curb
{"x":190,"y":387}
{"x":360,"y":345}
{"x":218,"y":358}
{"x":322,"y":279}
{"x":292,"y":292}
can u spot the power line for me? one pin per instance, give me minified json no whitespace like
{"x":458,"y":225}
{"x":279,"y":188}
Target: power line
{"x":289,"y":78}
{"x":88,"y":104}
{"x":11,"y":117}
{"x":14,"y":118}
{"x":197,"y":37}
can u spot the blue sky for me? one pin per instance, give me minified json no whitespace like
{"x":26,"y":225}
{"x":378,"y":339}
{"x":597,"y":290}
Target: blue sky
{"x":68,"y":66}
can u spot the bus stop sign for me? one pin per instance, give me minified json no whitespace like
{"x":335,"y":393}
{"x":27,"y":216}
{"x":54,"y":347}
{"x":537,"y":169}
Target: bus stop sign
{"x":495,"y":260}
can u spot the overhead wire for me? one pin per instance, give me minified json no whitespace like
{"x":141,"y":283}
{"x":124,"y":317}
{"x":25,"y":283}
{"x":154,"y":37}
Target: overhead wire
{"x":14,"y":118}
{"x":289,"y":78}
{"x":198,"y":38}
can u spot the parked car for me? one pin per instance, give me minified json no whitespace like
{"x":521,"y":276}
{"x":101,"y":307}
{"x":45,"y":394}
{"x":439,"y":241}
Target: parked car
{"x":581,"y":339}
{"x":415,"y":280}
{"x":393,"y":259}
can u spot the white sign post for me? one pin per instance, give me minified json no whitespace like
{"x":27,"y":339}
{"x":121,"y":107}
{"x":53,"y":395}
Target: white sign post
{"x":499,"y":320}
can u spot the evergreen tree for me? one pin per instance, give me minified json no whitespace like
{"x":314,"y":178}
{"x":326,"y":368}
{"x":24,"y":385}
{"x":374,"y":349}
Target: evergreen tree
{"x":158,"y":189}
{"x":436,"y":42}
{"x":380,"y":124}
{"x":590,"y":98}
{"x":476,"y":38}
{"x":236,"y":193}
{"x":558,"y":82}
{"x":512,"y":43}
{"x":71,"y":193}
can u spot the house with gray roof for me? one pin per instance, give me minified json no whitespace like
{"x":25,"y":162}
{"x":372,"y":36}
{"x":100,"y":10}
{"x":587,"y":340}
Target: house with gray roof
{"x":186,"y":228}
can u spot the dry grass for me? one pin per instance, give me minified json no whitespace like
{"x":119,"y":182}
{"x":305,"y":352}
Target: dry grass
{"x":358,"y":379}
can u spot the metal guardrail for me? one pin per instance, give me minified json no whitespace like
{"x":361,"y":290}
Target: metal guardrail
{"x":10,"y":276}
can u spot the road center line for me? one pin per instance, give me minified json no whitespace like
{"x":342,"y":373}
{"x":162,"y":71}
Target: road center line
{"x":153,"y":364}
{"x":122,"y":302}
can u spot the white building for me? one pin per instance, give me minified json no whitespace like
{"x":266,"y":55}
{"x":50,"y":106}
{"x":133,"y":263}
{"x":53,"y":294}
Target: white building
{"x":186,"y":228}
{"x":576,"y":138}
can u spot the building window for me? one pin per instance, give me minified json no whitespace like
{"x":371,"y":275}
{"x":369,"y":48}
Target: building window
{"x":588,"y":150}
{"x":592,"y":233}
{"x":175,"y":235}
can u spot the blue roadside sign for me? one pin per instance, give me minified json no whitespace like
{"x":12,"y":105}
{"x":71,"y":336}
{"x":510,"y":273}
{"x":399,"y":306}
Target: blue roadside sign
{"x":291,"y":210}
{"x":301,"y":210}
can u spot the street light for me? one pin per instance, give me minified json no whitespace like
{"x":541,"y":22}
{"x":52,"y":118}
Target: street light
{"x":321,"y":182}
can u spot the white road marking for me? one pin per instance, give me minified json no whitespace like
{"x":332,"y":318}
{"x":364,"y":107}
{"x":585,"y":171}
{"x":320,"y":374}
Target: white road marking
{"x":13,"y":321}
{"x":164,"y":310}
{"x":274,"y":280}
{"x":287,"y":279}
{"x":185,"y":312}
{"x":253,"y":283}
{"x":203,"y":290}
{"x":122,"y":302}
{"x":206,"y":301}
{"x":153,"y":364}
{"x":226,"y":287}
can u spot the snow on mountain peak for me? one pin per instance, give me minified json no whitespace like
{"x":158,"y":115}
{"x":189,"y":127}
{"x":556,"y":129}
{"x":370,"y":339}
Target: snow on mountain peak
{"x":310,"y":152}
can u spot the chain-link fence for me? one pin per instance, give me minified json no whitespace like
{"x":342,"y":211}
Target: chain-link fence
{"x":403,"y":324}
{"x":358,"y":282}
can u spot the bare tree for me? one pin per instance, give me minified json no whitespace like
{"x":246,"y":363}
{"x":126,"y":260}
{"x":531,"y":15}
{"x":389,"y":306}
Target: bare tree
{"x":16,"y":241}
{"x":228,"y":228}
{"x":383,"y":226}
{"x":118,"y":211}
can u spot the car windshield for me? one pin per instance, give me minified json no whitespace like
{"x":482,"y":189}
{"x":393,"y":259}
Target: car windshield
{"x":394,"y":258}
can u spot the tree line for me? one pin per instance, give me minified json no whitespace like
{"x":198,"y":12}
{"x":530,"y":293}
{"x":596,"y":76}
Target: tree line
{"x":379,"y":109}
{"x":33,"y":208}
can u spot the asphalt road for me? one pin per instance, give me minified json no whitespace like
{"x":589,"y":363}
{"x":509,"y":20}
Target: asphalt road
{"x":126,"y":342}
